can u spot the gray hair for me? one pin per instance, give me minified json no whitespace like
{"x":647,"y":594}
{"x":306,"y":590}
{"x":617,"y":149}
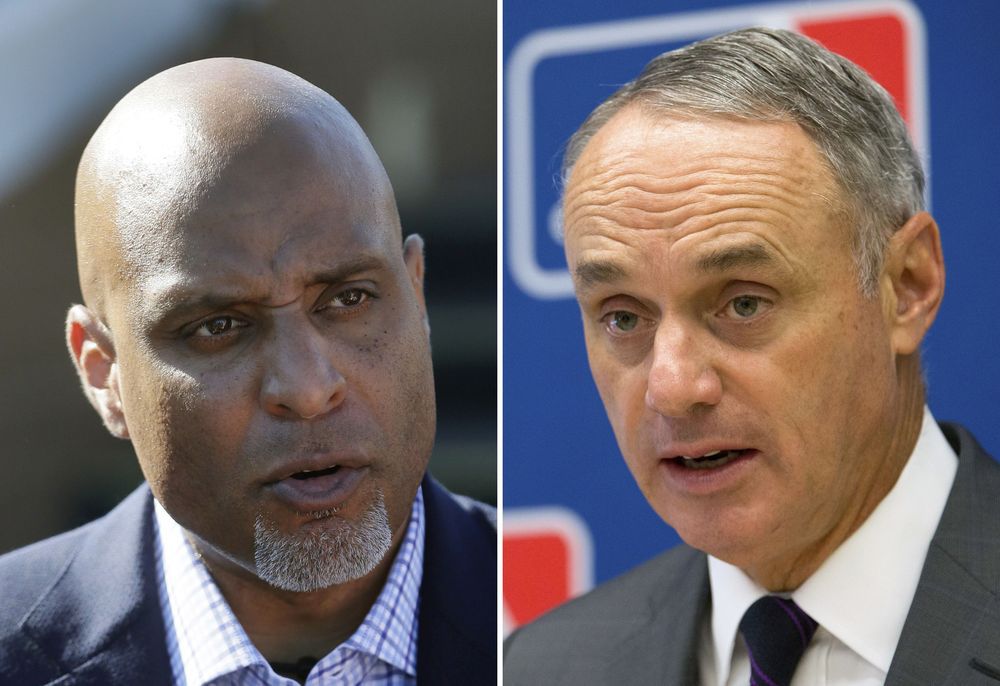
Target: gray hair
{"x":775,"y":75}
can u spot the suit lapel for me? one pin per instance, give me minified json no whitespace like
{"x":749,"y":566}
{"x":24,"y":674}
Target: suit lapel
{"x":100,"y":622}
{"x":952,"y":632}
{"x":456,"y":637}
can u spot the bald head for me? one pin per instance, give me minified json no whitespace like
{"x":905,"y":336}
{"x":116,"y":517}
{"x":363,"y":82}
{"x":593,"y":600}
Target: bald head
{"x":249,"y":305}
{"x":218,"y":129}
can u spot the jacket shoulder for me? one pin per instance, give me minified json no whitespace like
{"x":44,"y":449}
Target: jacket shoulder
{"x":466,"y":517}
{"x":585,"y":640}
{"x":637,"y":591}
{"x":27,"y":576}
{"x":483,"y":514}
{"x":457,"y":639}
{"x":27,"y":573}
{"x":85,"y":603}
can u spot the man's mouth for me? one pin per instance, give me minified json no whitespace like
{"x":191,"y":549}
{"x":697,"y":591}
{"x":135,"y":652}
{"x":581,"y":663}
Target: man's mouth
{"x":312,"y":474}
{"x":318,"y":487}
{"x":314,"y":466}
{"x":711,"y":460}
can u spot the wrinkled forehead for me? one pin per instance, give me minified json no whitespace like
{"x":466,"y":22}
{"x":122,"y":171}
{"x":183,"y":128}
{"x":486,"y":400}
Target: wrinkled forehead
{"x":699,"y":196}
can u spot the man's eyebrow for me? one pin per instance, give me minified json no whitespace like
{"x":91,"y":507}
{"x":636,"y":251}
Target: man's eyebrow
{"x":178,"y":299}
{"x":590,"y":273}
{"x":745,"y":255}
{"x":349,"y":268}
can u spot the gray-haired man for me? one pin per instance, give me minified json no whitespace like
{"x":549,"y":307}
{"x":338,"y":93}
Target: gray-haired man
{"x":744,"y":223}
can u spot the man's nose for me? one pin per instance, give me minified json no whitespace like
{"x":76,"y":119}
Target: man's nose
{"x":682,"y":378}
{"x":301,"y":380}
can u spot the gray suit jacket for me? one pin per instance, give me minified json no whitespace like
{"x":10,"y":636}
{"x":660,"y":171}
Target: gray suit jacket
{"x":644,"y":626}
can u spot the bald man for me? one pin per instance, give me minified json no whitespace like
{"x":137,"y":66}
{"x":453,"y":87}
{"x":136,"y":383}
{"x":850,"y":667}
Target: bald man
{"x":254,"y":323}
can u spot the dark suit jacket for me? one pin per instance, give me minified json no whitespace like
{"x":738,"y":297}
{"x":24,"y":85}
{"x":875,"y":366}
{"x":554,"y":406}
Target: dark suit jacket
{"x":82,"y":608}
{"x":643,"y":627}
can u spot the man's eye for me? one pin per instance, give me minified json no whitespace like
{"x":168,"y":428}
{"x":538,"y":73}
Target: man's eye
{"x":622,"y":321}
{"x":352,"y":297}
{"x":746,"y":306}
{"x":217,"y":326}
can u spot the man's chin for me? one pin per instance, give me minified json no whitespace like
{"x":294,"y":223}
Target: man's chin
{"x":325,"y":551}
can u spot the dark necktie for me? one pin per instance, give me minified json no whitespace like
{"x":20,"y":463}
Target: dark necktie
{"x":776,"y":631}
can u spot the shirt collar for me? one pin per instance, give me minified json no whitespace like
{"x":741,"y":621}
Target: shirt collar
{"x":208,"y":641}
{"x":862,"y":593}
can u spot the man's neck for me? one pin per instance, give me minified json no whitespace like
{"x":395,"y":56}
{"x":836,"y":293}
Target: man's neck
{"x":286,"y":626}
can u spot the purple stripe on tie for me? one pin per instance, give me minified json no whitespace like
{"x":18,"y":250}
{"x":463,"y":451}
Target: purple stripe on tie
{"x":753,"y":664}
{"x":795,"y":618}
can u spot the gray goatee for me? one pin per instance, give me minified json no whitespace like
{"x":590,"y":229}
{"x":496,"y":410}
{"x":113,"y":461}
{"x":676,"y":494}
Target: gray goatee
{"x":322,"y":556}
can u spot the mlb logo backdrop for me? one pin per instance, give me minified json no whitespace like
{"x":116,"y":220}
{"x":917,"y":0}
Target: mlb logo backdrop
{"x":573,"y":515}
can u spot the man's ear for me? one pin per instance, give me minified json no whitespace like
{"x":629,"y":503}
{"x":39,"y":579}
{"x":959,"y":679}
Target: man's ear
{"x":413,"y":256}
{"x":915,"y":268}
{"x":93,"y":354}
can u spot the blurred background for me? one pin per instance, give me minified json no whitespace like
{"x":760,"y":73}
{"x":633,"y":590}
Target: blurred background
{"x":573,"y":516}
{"x":421,"y":80}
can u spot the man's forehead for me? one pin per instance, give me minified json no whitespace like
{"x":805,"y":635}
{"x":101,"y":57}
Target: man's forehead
{"x":263,"y":227}
{"x":648,"y":141}
{"x":745,"y":252}
{"x":688,"y":181}
{"x":186,"y":171}
{"x":257,"y":224}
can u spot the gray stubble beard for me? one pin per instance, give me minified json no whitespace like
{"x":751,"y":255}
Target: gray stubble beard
{"x":320,"y":557}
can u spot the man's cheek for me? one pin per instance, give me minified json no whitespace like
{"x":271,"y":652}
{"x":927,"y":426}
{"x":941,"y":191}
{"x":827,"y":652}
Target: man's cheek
{"x":623,"y":394}
{"x":194,"y":433}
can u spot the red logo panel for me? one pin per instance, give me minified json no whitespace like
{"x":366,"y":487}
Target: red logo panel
{"x":877,"y":44}
{"x":547,"y":559}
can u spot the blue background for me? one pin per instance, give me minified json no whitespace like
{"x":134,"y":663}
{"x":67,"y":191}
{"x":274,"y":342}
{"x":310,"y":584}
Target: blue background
{"x":558,"y":447}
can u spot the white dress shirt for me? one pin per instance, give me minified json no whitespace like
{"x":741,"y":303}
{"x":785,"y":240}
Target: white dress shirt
{"x":860,"y":595}
{"x":208,"y":646}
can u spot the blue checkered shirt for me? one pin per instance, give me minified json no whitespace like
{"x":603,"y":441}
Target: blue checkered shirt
{"x":207,"y":644}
